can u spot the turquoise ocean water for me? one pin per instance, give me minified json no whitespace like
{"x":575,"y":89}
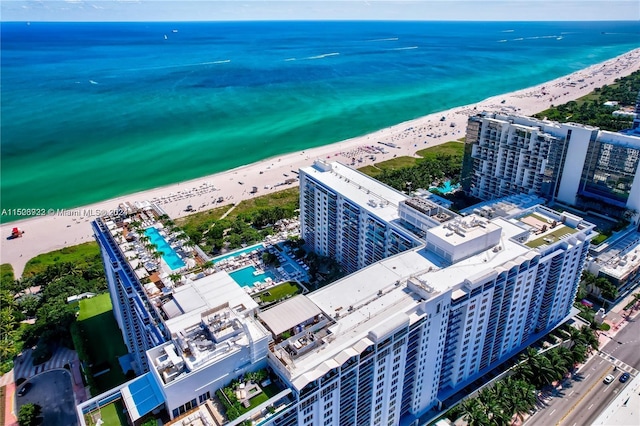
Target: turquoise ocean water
{"x":90,"y":111}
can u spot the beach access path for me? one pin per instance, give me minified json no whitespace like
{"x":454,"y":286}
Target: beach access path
{"x":73,"y":226}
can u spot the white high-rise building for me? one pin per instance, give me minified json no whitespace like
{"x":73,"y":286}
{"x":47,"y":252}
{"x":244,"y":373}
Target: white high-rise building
{"x":356,"y":220}
{"x":386,"y":344}
{"x":571,"y":163}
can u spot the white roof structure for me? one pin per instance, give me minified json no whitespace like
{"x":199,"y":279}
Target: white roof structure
{"x":288,"y":314}
{"x":190,"y":300}
{"x":366,"y":306}
{"x":379,"y":199}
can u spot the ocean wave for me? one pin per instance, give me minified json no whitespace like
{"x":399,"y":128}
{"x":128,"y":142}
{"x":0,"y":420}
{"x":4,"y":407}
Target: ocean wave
{"x":290,"y":59}
{"x":384,"y":39}
{"x":502,"y":41}
{"x":539,"y":37}
{"x":222,"y":61}
{"x":405,"y":48}
{"x":323,"y":55}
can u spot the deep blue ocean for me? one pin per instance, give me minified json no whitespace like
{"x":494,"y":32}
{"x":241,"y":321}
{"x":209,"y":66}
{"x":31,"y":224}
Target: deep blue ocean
{"x":91,"y":111}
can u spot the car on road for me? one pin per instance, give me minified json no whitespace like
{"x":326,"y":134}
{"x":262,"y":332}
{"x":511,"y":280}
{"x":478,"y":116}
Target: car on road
{"x":23,"y":390}
{"x":608,"y":379}
{"x":624,"y":377}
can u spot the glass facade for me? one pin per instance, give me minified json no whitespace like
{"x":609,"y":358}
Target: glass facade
{"x":608,"y":172}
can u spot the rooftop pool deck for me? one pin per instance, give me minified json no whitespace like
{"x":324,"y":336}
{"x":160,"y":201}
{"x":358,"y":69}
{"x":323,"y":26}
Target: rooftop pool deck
{"x":245,"y":277}
{"x":168,"y":253}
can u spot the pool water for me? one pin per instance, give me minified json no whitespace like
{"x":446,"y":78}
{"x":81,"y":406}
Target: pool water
{"x":245,"y":278}
{"x":446,"y":187}
{"x":237,"y":253}
{"x":169,"y":254}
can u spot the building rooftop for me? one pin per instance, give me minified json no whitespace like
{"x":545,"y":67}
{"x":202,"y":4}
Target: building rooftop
{"x":371,"y":195}
{"x":366,"y":306}
{"x":288,"y":314}
{"x":621,"y":257}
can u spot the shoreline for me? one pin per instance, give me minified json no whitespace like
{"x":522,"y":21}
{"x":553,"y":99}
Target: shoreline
{"x":68,"y":227}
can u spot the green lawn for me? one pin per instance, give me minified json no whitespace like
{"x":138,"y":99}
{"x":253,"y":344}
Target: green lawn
{"x":447,"y":148}
{"x":94,"y":306}
{"x":79,"y":255}
{"x":285,"y":198}
{"x":280,"y":291}
{"x":555,"y":235}
{"x":111,"y":415}
{"x":101,"y":339}
{"x":6,"y":274}
{"x":204,"y":217}
{"x":454,"y":148}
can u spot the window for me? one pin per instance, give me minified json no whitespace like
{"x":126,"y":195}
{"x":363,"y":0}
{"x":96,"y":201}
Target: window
{"x":202,"y":398}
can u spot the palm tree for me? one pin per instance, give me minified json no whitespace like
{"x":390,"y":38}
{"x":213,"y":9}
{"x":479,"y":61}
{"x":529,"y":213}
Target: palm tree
{"x":523,"y":397}
{"x":473,"y":412}
{"x":590,"y":338}
{"x":579,"y":353}
{"x":528,"y":364}
{"x":575,"y":336}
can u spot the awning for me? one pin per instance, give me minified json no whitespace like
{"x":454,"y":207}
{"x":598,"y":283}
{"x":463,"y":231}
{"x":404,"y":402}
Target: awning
{"x":141,"y":396}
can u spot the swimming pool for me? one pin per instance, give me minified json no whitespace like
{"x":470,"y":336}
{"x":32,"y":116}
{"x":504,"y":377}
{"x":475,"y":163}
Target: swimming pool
{"x":446,"y":187}
{"x":168,"y":253}
{"x":245,"y":278}
{"x":237,"y":253}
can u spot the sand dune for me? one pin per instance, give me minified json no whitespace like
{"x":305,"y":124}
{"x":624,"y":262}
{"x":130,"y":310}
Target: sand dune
{"x":71,"y":227}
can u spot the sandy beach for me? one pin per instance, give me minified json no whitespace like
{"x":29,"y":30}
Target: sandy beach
{"x":58,"y":229}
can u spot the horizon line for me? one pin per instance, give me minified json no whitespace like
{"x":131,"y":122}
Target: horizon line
{"x":318,"y":20}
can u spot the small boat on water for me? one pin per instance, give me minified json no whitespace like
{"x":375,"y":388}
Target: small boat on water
{"x":165,"y":37}
{"x":174,"y":31}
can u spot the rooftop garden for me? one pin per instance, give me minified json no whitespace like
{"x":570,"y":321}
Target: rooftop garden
{"x":279,"y":292}
{"x":111,"y":414}
{"x":244,"y":394}
{"x":551,"y":237}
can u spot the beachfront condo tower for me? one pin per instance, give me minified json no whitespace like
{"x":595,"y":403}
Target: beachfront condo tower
{"x":356,"y":220}
{"x":392,"y":343}
{"x":574,"y":164}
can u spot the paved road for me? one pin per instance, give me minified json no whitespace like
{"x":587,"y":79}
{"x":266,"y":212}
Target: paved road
{"x":53,"y":391}
{"x":581,"y":400}
{"x":625,"y":346}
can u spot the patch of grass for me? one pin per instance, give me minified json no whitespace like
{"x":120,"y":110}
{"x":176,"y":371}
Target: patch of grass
{"x":448,"y":148}
{"x":280,"y":291}
{"x":204,"y":217}
{"x":555,"y":235}
{"x":285,"y":198}
{"x":392,"y":164}
{"x":601,"y":237}
{"x":111,"y":414}
{"x":101,"y":339}
{"x":605,"y":327}
{"x":371,"y":171}
{"x":6,"y":275}
{"x":80,"y":255}
{"x":94,"y":306}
